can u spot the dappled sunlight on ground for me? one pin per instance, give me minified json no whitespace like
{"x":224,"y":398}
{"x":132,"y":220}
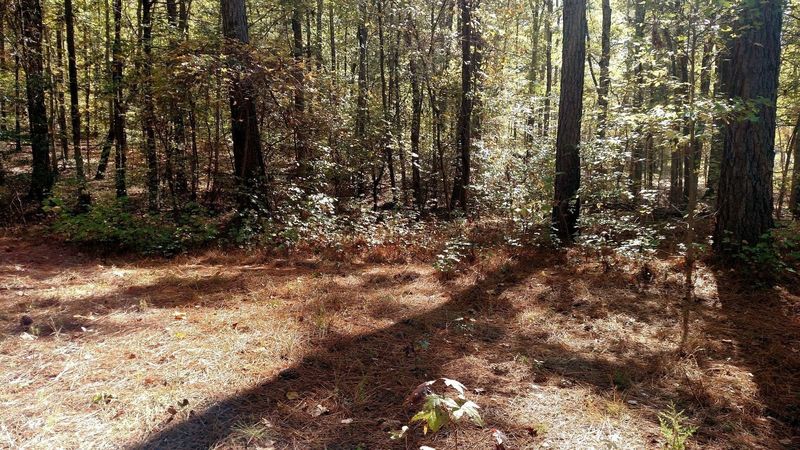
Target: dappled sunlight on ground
{"x":236,"y":349}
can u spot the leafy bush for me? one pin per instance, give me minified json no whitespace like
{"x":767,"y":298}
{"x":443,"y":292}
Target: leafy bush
{"x":777,"y":253}
{"x":114,"y":226}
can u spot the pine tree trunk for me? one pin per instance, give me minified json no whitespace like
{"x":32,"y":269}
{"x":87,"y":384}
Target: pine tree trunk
{"x":464,"y":126}
{"x":548,"y":92}
{"x":35,"y":84}
{"x":794,"y":195}
{"x":301,"y":146}
{"x":74,"y":111}
{"x":247,"y":154}
{"x":58,"y":88}
{"x":566,"y":209}
{"x":744,"y":202}
{"x":148,"y":114}
{"x":120,"y":139}
{"x":605,"y":78}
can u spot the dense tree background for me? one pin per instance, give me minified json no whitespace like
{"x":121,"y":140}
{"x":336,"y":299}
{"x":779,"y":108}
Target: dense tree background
{"x":443,"y":108}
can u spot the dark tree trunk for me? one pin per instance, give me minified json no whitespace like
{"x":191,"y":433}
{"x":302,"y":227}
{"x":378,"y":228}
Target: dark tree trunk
{"x":74,"y":110}
{"x":723,"y":70}
{"x":639,"y":155}
{"x":605,"y":79}
{"x":301,"y":146}
{"x":247,"y":155}
{"x":416,"y":114}
{"x":548,"y":70}
{"x":361,"y":98}
{"x":120,"y":140}
{"x":794,"y":195}
{"x":744,"y":202}
{"x":58,"y":93}
{"x":566,"y":207}
{"x":464,"y":126}
{"x":35,"y":84}
{"x":332,"y":36}
{"x":148,"y":115}
{"x":533,"y":70}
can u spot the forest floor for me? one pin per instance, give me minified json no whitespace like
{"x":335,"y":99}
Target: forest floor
{"x":235,"y":349}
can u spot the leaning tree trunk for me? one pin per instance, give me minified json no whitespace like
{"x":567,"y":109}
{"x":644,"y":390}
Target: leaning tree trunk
{"x":566,"y":204}
{"x":744,"y":202}
{"x":35,"y":84}
{"x":247,"y":156}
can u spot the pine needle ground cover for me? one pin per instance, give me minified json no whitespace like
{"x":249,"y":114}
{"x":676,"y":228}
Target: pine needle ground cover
{"x":243,"y":349}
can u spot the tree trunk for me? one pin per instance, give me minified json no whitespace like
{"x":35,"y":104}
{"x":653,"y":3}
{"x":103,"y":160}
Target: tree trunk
{"x":723,"y":71}
{"x":35,"y":84}
{"x":548,"y":92}
{"x":744,"y":203}
{"x":120,"y":140}
{"x":247,"y":155}
{"x":74,"y":111}
{"x":148,"y":114}
{"x":605,"y":78}
{"x":639,"y":155}
{"x":567,"y":204}
{"x":464,"y":126}
{"x":301,"y":146}
{"x":361,"y":99}
{"x":416,"y":115}
{"x":794,"y":195}
{"x":58,"y":88}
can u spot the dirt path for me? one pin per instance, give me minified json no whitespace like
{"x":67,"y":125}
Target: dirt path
{"x":235,"y":350}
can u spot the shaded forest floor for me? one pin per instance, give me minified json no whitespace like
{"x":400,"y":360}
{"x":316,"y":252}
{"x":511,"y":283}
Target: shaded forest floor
{"x":247,"y":350}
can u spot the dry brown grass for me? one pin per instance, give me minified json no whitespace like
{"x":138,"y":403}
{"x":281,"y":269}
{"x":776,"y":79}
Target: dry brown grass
{"x":244,"y":350}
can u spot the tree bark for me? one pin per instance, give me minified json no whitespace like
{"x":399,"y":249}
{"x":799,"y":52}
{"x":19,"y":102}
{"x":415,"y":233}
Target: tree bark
{"x":35,"y":83}
{"x":744,"y":202}
{"x":464,"y":126}
{"x":148,"y":114}
{"x":247,"y":154}
{"x":548,"y":92}
{"x":566,"y":209}
{"x":74,"y":110}
{"x":605,"y":78}
{"x":120,"y":139}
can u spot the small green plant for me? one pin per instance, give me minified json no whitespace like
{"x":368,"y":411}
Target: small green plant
{"x":674,"y":428}
{"x":455,"y":251}
{"x":437,"y":409}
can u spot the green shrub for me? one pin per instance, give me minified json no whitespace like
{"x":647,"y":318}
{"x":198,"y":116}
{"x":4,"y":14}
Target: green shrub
{"x":114,"y":226}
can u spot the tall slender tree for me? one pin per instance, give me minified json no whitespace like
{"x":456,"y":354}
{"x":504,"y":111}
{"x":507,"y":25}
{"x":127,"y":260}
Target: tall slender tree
{"x":566,"y":205}
{"x":74,"y":110}
{"x":464,"y":127}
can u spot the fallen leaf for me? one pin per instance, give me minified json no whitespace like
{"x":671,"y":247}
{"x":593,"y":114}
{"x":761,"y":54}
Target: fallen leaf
{"x":347,"y":421}
{"x":319,"y":410}
{"x":292,"y":395}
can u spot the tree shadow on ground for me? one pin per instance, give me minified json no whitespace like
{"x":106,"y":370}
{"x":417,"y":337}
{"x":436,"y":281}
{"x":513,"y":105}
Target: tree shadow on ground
{"x":762,"y":326}
{"x":364,"y":377}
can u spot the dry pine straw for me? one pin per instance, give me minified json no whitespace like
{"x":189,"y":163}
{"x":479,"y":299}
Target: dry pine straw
{"x":235,"y":350}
